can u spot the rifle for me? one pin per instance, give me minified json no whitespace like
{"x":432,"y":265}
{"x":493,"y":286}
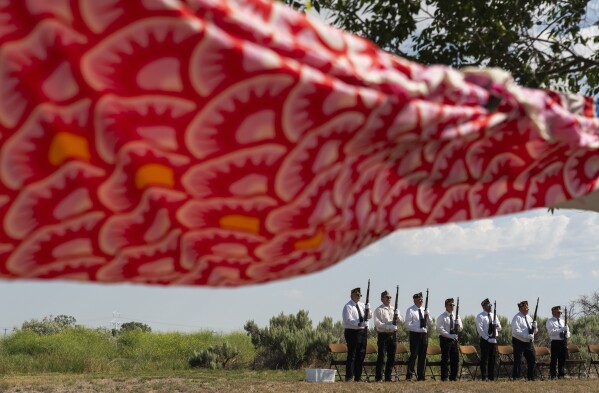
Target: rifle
{"x":423,"y":321}
{"x":366,"y":309}
{"x":492,"y":332}
{"x":565,"y":335}
{"x":395,"y":316}
{"x":457,"y":315}
{"x":534,"y":318}
{"x":395,"y":313}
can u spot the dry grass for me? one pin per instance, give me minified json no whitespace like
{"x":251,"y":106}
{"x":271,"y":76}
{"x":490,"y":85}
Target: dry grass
{"x":250,"y":382}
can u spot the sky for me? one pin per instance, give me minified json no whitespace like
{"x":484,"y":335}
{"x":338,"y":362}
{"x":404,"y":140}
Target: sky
{"x":508,"y":259}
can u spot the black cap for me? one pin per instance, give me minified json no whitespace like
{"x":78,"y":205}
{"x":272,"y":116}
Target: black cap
{"x":523,"y":303}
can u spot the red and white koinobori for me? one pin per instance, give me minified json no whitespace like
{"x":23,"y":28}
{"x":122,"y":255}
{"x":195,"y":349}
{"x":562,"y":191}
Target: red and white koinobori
{"x":232,"y":142}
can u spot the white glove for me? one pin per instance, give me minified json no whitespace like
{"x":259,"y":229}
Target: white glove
{"x":567,"y":329}
{"x":534,"y":325}
{"x":394,"y":328}
{"x":531,"y":337}
{"x":363,"y":324}
{"x":563,"y":329}
{"x":458,"y":322}
{"x":367,"y":306}
{"x":453,"y":336}
{"x":423,"y":330}
{"x":426,"y":312}
{"x":395,"y":312}
{"x":492,"y":340}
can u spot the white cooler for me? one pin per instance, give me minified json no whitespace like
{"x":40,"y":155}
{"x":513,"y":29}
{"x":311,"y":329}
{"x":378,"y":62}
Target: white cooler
{"x":320,"y":375}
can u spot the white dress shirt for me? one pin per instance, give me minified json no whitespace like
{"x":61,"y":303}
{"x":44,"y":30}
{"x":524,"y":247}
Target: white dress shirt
{"x":520,"y":329}
{"x":383,"y":319}
{"x":555,"y":327}
{"x":444,"y":324}
{"x":482,"y":324}
{"x":412,"y":320}
{"x":351,"y":318}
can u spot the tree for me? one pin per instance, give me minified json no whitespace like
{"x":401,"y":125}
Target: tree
{"x":65,"y":321}
{"x":49,"y":325}
{"x":129,"y":326}
{"x":542,"y":43}
{"x":585,"y":305}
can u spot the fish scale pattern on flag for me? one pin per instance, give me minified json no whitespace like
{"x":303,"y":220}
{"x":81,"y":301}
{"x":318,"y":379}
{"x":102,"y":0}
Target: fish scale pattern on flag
{"x":233,"y":142}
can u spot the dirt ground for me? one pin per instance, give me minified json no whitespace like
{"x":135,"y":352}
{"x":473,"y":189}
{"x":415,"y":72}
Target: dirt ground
{"x":61,"y":383}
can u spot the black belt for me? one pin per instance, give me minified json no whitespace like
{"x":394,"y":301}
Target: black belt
{"x":385,"y":334}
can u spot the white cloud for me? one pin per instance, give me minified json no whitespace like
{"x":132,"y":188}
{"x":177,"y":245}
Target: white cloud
{"x":595,"y":273}
{"x":373,"y":249}
{"x":295,"y":293}
{"x":568,"y":273}
{"x":541,"y":234}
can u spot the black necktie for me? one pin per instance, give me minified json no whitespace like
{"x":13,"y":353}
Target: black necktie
{"x":422,"y":322}
{"x":528,"y":326}
{"x":360,"y":313}
{"x":562,"y":335}
{"x":451,"y":326}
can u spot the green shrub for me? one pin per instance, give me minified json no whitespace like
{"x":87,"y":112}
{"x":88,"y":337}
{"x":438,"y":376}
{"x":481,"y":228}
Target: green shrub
{"x":73,"y":350}
{"x":290,"y":342}
{"x":585,"y":330}
{"x":81,"y":350}
{"x":214,"y":356}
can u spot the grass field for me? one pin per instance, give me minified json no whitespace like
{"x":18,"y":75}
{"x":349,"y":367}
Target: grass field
{"x":267,"y":381}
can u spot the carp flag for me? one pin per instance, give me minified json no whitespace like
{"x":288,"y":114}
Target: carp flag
{"x":232,"y":142}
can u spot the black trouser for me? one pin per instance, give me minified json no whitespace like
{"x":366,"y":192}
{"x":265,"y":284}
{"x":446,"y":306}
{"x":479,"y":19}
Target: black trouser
{"x":449,"y":357}
{"x":558,"y":358}
{"x":528,"y":350}
{"x":386,"y":346}
{"x":418,"y":345}
{"x":488,"y":353}
{"x":356,"y":350}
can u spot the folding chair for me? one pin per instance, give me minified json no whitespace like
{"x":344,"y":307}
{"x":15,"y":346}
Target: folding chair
{"x":574,"y":360}
{"x":401,"y":359}
{"x":543,"y":360}
{"x":506,"y":359}
{"x":336,"y":351}
{"x":593,"y":359}
{"x":470,"y":359}
{"x":433,"y":350}
{"x":371,"y":349}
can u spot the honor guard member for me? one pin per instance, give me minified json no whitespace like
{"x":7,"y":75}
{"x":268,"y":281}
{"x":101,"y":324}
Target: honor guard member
{"x":558,"y":333}
{"x":488,"y":339}
{"x":448,"y":327}
{"x":356,"y":332}
{"x":417,"y":323}
{"x":523,"y":335}
{"x":383,"y":323}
